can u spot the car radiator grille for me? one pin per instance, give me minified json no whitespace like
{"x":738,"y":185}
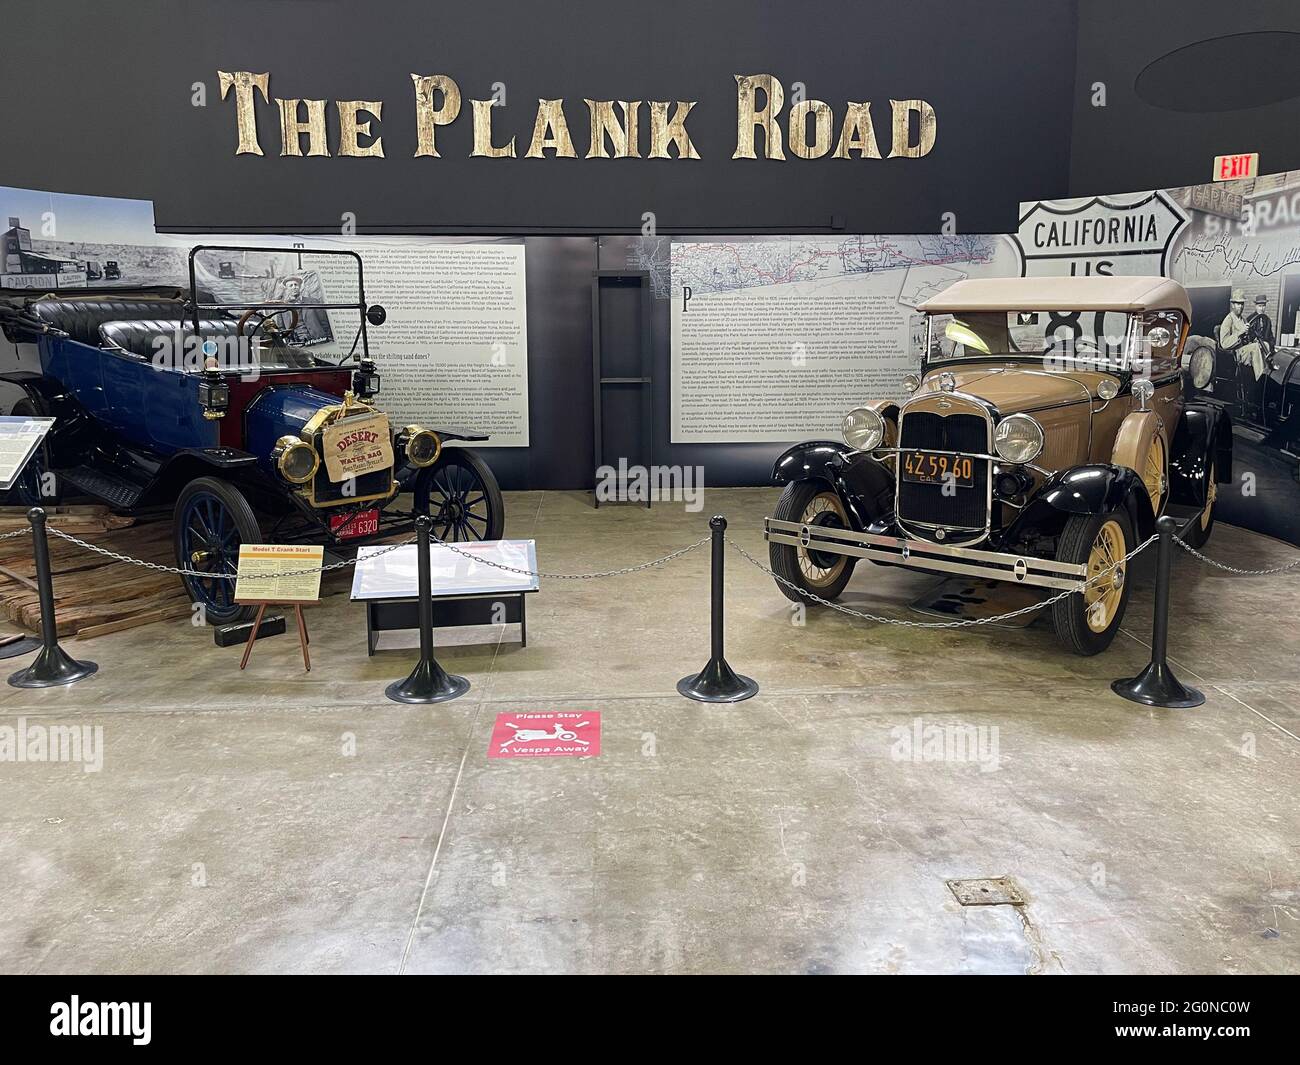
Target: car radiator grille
{"x":925,"y":503}
{"x":328,"y":493}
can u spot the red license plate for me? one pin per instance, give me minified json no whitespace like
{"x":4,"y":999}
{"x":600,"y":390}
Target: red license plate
{"x":928,"y":468}
{"x":351,"y":526}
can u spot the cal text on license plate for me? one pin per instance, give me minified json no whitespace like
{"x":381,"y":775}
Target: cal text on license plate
{"x":928,"y":468}
{"x":350,"y":526}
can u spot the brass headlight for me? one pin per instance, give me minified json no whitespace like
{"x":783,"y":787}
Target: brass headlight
{"x":296,"y":459}
{"x":422,"y":446}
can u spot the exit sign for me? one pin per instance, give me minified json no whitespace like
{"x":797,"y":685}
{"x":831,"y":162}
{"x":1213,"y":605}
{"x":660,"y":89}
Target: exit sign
{"x":1233,"y":167}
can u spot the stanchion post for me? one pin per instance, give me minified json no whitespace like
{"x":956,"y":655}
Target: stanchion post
{"x":1156,"y":685}
{"x":428,"y":682}
{"x":52,"y":665}
{"x":717,"y":682}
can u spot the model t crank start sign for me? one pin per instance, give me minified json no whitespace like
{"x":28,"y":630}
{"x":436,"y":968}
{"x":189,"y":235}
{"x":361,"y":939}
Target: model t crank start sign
{"x":358,"y":445}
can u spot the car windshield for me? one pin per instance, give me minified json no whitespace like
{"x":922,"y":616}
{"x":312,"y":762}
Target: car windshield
{"x":284,"y":297}
{"x":1089,"y":336}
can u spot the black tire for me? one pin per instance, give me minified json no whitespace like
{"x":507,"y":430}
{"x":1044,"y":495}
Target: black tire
{"x":1077,"y":626}
{"x":1199,"y":528}
{"x":810,"y":503}
{"x":461,"y":494}
{"x":196,"y":510}
{"x":33,"y":487}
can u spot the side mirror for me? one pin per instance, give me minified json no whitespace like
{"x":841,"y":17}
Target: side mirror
{"x":1143,"y":390}
{"x":376,"y":315}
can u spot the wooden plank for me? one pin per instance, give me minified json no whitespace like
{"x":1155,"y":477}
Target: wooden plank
{"x":147,"y":617}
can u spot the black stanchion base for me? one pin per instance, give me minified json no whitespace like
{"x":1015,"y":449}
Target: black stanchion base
{"x":52,"y":667}
{"x":717,"y":683}
{"x":1157,"y":686}
{"x":26,"y":645}
{"x":428,"y":683}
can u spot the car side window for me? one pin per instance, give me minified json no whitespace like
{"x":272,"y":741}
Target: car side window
{"x":1161,"y":333}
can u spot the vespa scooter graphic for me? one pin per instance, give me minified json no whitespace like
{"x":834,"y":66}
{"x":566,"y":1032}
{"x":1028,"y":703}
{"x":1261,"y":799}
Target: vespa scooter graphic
{"x":557,"y":732}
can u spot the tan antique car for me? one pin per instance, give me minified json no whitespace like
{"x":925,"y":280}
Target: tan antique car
{"x":1048,"y":428}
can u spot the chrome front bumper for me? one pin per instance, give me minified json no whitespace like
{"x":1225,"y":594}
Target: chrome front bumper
{"x":931,"y":557}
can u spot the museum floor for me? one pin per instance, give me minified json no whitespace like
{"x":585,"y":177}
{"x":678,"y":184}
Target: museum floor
{"x":233,"y":829}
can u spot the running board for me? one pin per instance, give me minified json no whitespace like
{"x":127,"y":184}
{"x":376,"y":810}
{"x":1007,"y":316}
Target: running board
{"x":932,"y":558}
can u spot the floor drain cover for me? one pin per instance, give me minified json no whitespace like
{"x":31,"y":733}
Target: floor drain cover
{"x":1000,"y":891}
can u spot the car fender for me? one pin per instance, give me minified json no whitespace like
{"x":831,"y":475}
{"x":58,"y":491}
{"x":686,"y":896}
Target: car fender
{"x":460,"y":434}
{"x":1096,"y":488}
{"x":1199,"y":438}
{"x":1134,"y":439}
{"x":184,"y":466}
{"x":35,"y":385}
{"x":864,"y":485}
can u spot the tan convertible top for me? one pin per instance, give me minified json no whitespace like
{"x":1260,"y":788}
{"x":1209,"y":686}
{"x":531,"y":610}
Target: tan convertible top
{"x":1061,"y":294}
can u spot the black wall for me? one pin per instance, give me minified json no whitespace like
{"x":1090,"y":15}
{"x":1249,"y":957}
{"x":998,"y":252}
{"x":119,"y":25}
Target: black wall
{"x":102,"y":93}
{"x":1185,"y":80}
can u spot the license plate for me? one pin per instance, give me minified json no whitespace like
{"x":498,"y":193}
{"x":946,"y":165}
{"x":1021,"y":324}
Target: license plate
{"x":351,"y":526}
{"x":927,"y":468}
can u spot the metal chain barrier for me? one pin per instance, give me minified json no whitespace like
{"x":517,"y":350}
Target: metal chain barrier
{"x":574,"y":576}
{"x":117,"y":556}
{"x":966,"y":623}
{"x":1233,"y":569}
{"x":17,"y":532}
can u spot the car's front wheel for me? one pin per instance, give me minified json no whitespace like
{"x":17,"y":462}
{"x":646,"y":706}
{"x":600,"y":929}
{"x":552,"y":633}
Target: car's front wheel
{"x":212,"y":519}
{"x":460,"y":493}
{"x":825,"y":575}
{"x":1087,"y":622}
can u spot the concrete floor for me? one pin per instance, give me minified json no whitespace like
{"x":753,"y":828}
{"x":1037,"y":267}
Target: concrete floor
{"x":280,"y":821}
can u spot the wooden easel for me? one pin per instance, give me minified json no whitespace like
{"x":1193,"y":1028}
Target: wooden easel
{"x":303,"y":638}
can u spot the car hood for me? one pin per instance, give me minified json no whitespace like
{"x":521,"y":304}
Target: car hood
{"x":1014,"y":388}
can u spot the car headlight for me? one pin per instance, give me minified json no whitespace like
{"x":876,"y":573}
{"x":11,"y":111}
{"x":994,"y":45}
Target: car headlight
{"x":1018,"y":438}
{"x":911,"y":382}
{"x":296,"y":459}
{"x":1202,"y":367}
{"x":863,"y":428}
{"x":422,"y":446}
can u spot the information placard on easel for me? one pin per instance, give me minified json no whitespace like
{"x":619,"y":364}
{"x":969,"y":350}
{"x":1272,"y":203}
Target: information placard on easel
{"x":19,"y":439}
{"x":279,"y":573}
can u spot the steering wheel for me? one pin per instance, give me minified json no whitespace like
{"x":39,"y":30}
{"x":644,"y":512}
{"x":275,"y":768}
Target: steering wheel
{"x":266,"y":322}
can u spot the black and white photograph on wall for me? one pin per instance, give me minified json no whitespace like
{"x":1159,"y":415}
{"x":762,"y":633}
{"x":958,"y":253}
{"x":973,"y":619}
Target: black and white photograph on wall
{"x":55,"y":241}
{"x":1235,"y":246}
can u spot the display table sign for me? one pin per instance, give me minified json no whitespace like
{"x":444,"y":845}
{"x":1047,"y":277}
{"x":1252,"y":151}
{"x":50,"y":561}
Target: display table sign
{"x":466,"y":591}
{"x":19,"y":439}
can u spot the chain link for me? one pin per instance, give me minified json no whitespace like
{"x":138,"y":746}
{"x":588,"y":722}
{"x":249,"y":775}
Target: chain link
{"x":965,"y":623}
{"x":17,"y":532}
{"x":575,"y":576}
{"x":1233,"y":569}
{"x":117,"y":556}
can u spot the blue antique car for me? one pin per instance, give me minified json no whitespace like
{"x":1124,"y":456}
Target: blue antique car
{"x":248,"y":406}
